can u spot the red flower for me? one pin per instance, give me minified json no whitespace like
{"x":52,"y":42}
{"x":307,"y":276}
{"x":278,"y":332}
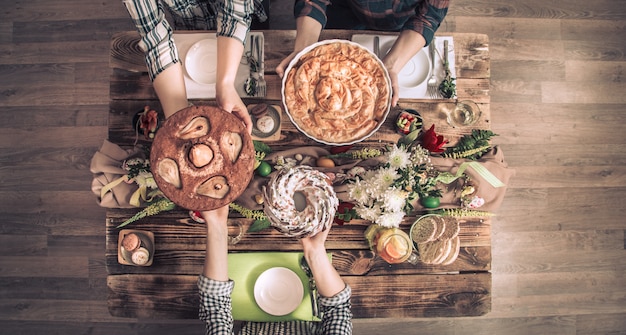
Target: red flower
{"x":345,"y":213}
{"x":148,"y":122}
{"x":340,"y":149}
{"x":433,"y":142}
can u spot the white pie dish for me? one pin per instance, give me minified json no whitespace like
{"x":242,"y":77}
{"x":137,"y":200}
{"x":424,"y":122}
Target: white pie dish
{"x":328,"y":141}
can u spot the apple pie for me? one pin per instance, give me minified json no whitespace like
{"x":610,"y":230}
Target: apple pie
{"x":338,"y":92}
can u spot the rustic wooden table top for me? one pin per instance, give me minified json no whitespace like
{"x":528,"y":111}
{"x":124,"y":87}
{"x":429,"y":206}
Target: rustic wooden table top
{"x":167,"y":288}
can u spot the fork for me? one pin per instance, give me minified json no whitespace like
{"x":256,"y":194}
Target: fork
{"x":304,"y":265}
{"x":433,"y":89}
{"x":250,"y":85}
{"x":261,"y":84}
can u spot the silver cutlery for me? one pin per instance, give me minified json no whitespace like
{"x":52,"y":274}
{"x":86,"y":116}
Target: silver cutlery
{"x":312,"y":286}
{"x":250,"y":85}
{"x":377,"y":46}
{"x":433,"y":86}
{"x":261,"y":84}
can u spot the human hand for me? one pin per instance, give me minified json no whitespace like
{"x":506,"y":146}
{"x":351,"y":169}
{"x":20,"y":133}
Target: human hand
{"x":228,"y":99}
{"x":316,"y":243}
{"x":216,"y":260}
{"x":280,"y":69}
{"x":217,"y":218}
{"x":395,"y":87}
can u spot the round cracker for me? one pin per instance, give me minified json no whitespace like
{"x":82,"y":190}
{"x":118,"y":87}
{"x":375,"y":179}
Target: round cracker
{"x":441,"y":226}
{"x":424,"y":229}
{"x":452,"y":228}
{"x":456,"y":248}
{"x":444,"y":251}
{"x":429,"y":252}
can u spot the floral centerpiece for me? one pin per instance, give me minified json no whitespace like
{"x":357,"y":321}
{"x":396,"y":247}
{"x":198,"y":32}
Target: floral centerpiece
{"x":385,"y":195}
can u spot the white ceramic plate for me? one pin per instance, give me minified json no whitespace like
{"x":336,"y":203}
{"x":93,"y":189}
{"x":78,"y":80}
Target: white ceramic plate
{"x":200,"y":62}
{"x":278,"y":291}
{"x":416,"y":69}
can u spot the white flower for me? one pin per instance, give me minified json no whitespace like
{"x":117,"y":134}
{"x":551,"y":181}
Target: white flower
{"x":285,"y":163}
{"x":390,"y":219}
{"x":385,"y":177}
{"x":398,"y":158}
{"x":358,"y":192}
{"x":133,"y":162}
{"x":356,"y":171}
{"x":419,"y":155}
{"x":145,"y":179}
{"x":394,"y":200}
{"x":368,"y":213}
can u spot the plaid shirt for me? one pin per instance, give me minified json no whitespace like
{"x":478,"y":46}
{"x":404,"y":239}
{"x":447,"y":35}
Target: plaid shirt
{"x":230,"y":18}
{"x":422,"y":16}
{"x":215,"y":311}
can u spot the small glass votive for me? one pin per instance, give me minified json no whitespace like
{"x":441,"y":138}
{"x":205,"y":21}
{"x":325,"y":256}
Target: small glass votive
{"x":465,"y":113}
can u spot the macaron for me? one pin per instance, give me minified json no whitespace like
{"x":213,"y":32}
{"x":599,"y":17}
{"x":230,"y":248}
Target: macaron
{"x":131,"y":242}
{"x":141,"y":256}
{"x":265,"y":124}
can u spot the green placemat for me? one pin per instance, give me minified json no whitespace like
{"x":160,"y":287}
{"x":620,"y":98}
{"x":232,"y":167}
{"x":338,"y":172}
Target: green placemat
{"x":245,"y":268}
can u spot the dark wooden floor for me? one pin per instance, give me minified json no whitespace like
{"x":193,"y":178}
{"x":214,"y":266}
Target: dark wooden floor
{"x":558,"y":103}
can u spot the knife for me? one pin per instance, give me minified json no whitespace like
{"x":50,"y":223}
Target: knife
{"x":312,"y":286}
{"x":446,"y":63}
{"x":259,"y":54}
{"x":377,"y":46}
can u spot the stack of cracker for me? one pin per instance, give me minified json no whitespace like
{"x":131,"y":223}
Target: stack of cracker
{"x":437,"y":239}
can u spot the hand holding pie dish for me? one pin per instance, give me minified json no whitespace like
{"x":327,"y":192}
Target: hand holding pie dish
{"x":337,"y":92}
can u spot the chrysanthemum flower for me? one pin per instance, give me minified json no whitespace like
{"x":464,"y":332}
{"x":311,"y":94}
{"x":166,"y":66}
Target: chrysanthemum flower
{"x":358,"y":192}
{"x":368,"y":213}
{"x":398,"y":158}
{"x":386,"y":176}
{"x":390,"y":219}
{"x":394,"y":200}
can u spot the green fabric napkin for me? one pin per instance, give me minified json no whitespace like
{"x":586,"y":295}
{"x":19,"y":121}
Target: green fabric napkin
{"x":245,"y":268}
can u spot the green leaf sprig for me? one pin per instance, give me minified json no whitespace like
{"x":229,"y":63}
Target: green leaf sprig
{"x":260,"y":219}
{"x":471,"y":146}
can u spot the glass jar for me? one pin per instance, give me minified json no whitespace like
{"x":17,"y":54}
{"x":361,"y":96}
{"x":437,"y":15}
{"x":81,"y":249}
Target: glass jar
{"x":394,"y":246}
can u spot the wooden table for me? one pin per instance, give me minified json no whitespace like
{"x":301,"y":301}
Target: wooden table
{"x":167,"y":288}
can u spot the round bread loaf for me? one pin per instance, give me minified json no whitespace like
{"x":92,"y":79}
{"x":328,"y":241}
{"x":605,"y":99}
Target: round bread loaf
{"x":318,"y":200}
{"x":202,"y":158}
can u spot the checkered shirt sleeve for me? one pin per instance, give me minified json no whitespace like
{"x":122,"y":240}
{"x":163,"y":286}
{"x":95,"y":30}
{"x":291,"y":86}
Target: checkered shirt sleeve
{"x":216,"y":305}
{"x":336,"y":313}
{"x":388,"y":15}
{"x":230,"y":18}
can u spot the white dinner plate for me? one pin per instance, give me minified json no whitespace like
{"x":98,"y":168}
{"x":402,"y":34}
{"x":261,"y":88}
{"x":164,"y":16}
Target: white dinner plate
{"x":201,"y":61}
{"x":416,"y":69}
{"x":278,"y":291}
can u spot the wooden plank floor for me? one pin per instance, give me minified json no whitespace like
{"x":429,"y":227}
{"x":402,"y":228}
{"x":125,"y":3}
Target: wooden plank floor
{"x":558,"y":103}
